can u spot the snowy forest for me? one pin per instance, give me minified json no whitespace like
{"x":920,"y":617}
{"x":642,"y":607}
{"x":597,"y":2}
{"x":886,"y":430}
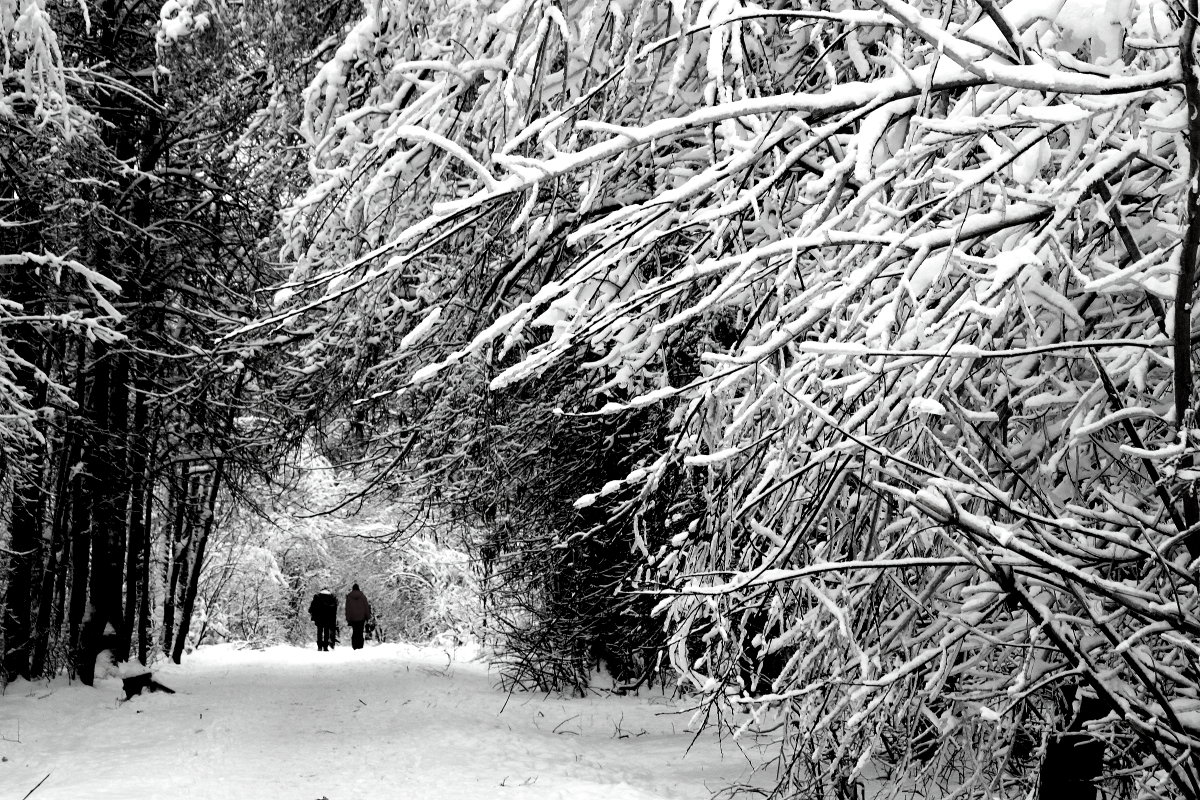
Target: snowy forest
{"x":828,"y":361}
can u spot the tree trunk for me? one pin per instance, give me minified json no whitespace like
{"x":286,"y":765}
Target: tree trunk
{"x":51,"y":595}
{"x":24,"y":557}
{"x":210,"y":515}
{"x":115,"y":502}
{"x":47,"y":600}
{"x":144,"y":599}
{"x":25,"y":525}
{"x":1074,"y":761}
{"x":136,"y":577}
{"x":192,"y":582}
{"x":177,"y":546}
{"x":54,"y":596}
{"x":1185,"y":286}
{"x":81,"y":553}
{"x":89,"y":591}
{"x":45,"y":606}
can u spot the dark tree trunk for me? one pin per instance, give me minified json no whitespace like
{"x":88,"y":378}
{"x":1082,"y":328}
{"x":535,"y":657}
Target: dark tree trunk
{"x":47,"y":600}
{"x":210,"y":515}
{"x":136,"y":582}
{"x":177,"y":545}
{"x":66,"y":523}
{"x":47,"y":603}
{"x":144,"y":600}
{"x":53,"y":590}
{"x":1074,"y":761}
{"x":115,"y":502}
{"x":81,"y":553}
{"x":24,"y":559}
{"x":131,"y":537}
{"x":190,"y":583}
{"x":45,"y":596}
{"x":25,"y":556}
{"x":90,"y":591}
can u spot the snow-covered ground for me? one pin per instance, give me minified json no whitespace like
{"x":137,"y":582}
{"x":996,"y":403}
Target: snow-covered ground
{"x":389,"y":721}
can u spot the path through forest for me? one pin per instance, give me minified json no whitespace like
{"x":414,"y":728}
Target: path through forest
{"x":389,"y":721}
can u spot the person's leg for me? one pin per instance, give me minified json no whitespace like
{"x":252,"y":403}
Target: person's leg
{"x":356,"y":637}
{"x":320,"y":637}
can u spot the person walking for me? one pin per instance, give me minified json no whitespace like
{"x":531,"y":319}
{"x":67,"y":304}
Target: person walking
{"x":323,"y":610}
{"x":358,"y":611}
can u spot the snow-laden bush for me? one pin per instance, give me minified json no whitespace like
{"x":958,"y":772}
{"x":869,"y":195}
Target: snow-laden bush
{"x":913,"y":285}
{"x":428,"y":593}
{"x":251,"y":598}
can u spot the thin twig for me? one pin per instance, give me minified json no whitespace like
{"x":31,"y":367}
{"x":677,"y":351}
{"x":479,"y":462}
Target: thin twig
{"x":35,"y":788}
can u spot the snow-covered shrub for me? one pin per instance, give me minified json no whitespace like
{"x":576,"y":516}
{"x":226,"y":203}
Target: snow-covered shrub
{"x":251,"y":597}
{"x":940,"y":419}
{"x":427,"y":593}
{"x":549,"y":572}
{"x":179,"y":19}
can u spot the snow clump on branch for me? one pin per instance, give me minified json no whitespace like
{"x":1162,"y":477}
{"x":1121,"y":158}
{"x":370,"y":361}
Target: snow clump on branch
{"x":178,"y":20}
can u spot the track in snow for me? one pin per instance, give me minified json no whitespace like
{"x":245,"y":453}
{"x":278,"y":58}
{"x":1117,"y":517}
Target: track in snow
{"x":389,"y":721}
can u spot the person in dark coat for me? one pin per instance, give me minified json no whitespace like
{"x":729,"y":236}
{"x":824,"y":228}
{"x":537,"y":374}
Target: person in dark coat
{"x":323,"y":610}
{"x":358,"y":611}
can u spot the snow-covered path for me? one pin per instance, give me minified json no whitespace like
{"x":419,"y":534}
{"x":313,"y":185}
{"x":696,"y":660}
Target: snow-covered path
{"x":390,"y":721}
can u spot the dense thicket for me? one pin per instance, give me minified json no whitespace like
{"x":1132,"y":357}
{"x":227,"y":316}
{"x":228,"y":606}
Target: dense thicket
{"x":910,"y":286}
{"x":132,"y":231}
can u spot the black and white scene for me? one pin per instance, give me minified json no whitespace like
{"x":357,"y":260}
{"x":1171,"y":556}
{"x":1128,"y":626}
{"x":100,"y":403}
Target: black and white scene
{"x":599,"y":399}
